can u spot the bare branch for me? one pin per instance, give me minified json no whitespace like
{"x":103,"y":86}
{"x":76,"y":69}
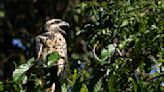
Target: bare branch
{"x":119,"y":52}
{"x":95,"y":55}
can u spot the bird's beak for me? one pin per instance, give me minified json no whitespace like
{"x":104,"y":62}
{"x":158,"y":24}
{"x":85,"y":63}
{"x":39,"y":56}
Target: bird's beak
{"x":64,"y":26}
{"x":63,"y":32}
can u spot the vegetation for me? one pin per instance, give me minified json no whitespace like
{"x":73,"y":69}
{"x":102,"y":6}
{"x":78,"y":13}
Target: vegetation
{"x":113,"y":46}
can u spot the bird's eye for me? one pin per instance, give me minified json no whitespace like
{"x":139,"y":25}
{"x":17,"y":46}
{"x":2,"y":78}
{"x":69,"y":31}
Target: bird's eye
{"x":57,"y":21}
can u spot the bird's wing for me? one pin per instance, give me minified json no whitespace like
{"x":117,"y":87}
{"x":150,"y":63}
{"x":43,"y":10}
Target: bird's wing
{"x":39,"y":46}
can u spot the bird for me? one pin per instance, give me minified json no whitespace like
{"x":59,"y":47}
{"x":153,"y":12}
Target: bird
{"x":49,"y":41}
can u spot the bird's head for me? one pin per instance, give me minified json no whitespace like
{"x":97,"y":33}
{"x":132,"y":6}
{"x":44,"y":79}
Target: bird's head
{"x":56,"y":25}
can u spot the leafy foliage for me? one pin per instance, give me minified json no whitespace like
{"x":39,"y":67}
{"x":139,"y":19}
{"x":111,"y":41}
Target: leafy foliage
{"x":52,"y":59}
{"x":127,"y":36}
{"x":33,"y":70}
{"x":19,"y":76}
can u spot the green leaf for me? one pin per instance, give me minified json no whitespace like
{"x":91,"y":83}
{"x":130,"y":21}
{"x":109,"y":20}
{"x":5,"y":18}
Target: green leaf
{"x":112,"y":83}
{"x":124,"y":23}
{"x":122,"y":44}
{"x":107,"y":52}
{"x":31,"y":61}
{"x":63,"y":88}
{"x":2,"y":14}
{"x":134,"y":84}
{"x":75,"y":76}
{"x":1,"y":86}
{"x":84,"y":88}
{"x":161,"y":60}
{"x":19,"y":73}
{"x":98,"y":86}
{"x":103,"y":4}
{"x":52,"y":59}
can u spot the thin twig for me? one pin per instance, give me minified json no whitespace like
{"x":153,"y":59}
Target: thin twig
{"x":119,"y":52}
{"x":95,"y":55}
{"x":150,"y":79}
